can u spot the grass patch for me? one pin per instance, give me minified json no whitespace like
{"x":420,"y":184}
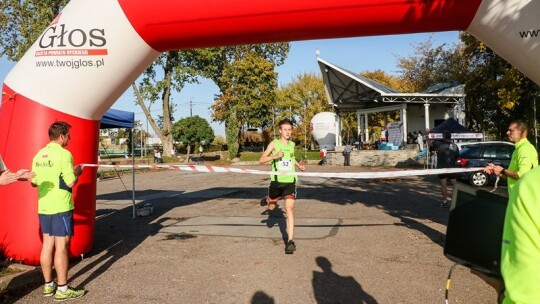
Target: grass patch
{"x":5,"y":270}
{"x":250,"y":156}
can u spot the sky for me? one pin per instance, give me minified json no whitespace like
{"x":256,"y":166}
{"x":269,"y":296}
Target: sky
{"x":354,"y":54}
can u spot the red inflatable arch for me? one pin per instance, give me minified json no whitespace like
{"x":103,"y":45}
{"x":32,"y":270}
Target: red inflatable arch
{"x":93,"y":50}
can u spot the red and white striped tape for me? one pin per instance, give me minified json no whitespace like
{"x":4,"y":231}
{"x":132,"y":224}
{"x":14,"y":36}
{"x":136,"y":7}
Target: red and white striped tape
{"x":349,"y":175}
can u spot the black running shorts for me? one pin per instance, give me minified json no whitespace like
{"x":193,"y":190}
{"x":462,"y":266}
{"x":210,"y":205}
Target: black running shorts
{"x":278,"y":191}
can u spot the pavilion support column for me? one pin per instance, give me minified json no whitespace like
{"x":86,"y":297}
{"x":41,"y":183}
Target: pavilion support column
{"x":338,"y":131}
{"x":426,"y":116}
{"x":359,"y":124}
{"x":403,"y":116}
{"x":366,"y":125}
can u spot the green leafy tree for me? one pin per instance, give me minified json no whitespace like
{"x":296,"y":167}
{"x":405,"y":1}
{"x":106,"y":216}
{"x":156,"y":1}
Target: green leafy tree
{"x":193,"y":129}
{"x":231,"y":132}
{"x":250,"y":84}
{"x":246,"y":80}
{"x":428,"y":66}
{"x":22,"y":22}
{"x":497,"y":93}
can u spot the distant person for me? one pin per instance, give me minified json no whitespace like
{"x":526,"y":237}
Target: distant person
{"x":447,"y":155}
{"x":55,"y":178}
{"x":347,"y":155}
{"x":200,"y":150}
{"x":157,"y":156}
{"x":386,"y":134}
{"x":324,"y":152}
{"x":7,"y":177}
{"x":410,"y":138}
{"x":524,"y":157}
{"x":420,"y":140}
{"x":360,"y":140}
{"x":280,"y":152}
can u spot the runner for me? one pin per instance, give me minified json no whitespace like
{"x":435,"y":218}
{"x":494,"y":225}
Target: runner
{"x":281,"y":153}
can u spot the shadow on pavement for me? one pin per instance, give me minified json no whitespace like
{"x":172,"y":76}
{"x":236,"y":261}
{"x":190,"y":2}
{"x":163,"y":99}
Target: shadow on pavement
{"x":329,"y":287}
{"x":261,"y":297}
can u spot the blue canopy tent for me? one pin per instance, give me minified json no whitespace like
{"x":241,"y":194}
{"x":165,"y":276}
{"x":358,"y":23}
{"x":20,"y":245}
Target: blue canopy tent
{"x":122,"y":119}
{"x":458,"y":131}
{"x":117,"y":119}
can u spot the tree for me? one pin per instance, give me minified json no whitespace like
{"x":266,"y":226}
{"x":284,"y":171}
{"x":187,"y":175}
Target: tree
{"x":168,"y":73}
{"x":244,"y":75}
{"x":249,"y":87}
{"x":300,"y":100}
{"x":193,"y":129}
{"x":22,"y":22}
{"x":428,"y":66}
{"x":497,"y":93}
{"x":231,"y":132}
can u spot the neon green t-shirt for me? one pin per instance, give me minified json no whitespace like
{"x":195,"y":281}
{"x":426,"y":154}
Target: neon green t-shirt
{"x":523,"y":160}
{"x":284,"y":164}
{"x":53,"y":166}
{"x":520,"y":256}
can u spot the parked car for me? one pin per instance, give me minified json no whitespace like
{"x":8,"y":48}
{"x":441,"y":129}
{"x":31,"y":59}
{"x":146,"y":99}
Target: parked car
{"x":463,"y":145}
{"x":479,"y":155}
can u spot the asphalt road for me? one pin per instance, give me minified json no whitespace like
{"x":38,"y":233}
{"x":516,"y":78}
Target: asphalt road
{"x":384,"y":244}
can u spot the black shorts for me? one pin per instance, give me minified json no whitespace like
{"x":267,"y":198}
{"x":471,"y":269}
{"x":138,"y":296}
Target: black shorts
{"x":60,"y":224}
{"x":278,"y":190}
{"x":448,"y":176}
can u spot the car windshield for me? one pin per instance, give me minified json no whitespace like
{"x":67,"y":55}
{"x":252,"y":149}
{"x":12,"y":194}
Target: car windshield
{"x":471,"y":152}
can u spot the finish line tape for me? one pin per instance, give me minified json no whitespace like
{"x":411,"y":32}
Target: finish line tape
{"x":349,"y":175}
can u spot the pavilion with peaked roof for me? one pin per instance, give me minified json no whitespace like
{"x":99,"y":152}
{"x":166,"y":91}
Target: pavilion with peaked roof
{"x":350,"y":92}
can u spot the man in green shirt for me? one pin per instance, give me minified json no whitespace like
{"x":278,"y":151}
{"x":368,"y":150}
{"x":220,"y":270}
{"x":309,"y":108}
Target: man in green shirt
{"x":520,"y":258}
{"x":521,"y":233}
{"x":524,"y":158}
{"x":281,"y":153}
{"x":55,"y":178}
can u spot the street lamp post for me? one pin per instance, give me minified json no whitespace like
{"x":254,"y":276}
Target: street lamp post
{"x":305,"y":131}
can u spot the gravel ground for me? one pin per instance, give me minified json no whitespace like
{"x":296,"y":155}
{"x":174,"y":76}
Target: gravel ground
{"x":388,"y":247}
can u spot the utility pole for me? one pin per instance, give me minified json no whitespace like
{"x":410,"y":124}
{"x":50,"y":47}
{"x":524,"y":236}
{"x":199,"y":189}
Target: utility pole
{"x":191,"y":107}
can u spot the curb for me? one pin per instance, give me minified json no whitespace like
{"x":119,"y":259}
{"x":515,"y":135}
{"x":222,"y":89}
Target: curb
{"x":27,"y":275}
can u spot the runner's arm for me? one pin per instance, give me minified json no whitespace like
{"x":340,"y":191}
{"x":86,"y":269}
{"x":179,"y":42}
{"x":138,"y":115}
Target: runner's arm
{"x":265,"y":157}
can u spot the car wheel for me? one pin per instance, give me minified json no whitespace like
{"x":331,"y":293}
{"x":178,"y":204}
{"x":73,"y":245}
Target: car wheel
{"x":478,"y":179}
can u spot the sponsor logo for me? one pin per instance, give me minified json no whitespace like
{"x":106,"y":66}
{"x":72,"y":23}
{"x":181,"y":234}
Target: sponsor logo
{"x":44,"y":164}
{"x":59,"y":40}
{"x":529,"y":34}
{"x":60,"y":36}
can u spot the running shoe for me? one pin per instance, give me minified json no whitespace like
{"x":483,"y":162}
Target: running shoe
{"x":445,"y":204}
{"x":290,"y":248}
{"x":49,"y":290}
{"x":70,"y":294}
